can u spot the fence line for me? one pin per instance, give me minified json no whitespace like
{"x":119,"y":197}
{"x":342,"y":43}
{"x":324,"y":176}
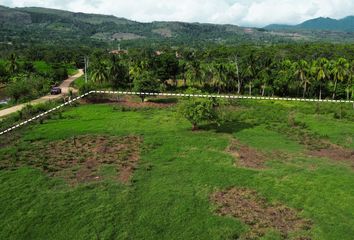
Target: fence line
{"x":172,"y":95}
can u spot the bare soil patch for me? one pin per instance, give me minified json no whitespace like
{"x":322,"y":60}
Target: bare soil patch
{"x":128,"y":102}
{"x":246,"y":156}
{"x":335,"y":153}
{"x":80,"y":159}
{"x":260,"y":215}
{"x":9,"y":139}
{"x":145,"y":104}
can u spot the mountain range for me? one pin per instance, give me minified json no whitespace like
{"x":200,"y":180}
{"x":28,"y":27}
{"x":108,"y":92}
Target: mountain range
{"x":38,"y":25}
{"x":320,"y":24}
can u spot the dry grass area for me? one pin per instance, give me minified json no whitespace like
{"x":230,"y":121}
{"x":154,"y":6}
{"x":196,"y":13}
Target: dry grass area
{"x":246,"y":156}
{"x":80,"y":159}
{"x":260,"y":215}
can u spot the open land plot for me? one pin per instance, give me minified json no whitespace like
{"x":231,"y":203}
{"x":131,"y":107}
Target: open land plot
{"x":105,"y":171}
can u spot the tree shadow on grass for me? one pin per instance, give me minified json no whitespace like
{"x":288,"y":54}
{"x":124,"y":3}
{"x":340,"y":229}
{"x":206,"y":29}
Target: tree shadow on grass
{"x":229,"y":127}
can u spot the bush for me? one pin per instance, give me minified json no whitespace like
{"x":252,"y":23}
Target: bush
{"x":198,"y":110}
{"x":146,"y":82}
{"x":27,"y":87}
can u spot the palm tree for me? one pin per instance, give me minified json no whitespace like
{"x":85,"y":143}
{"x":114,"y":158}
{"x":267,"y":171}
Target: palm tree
{"x":233,"y":79}
{"x":249,"y":74}
{"x":118,"y":73}
{"x":250,"y":71}
{"x":194,"y":72}
{"x":219,"y":73}
{"x":320,"y":71}
{"x":265,"y":73}
{"x":283,"y":78}
{"x":301,"y":71}
{"x":13,"y":65}
{"x":350,"y":83}
{"x":340,"y":72}
{"x":99,"y":73}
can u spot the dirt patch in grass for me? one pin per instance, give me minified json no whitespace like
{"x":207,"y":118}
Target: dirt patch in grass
{"x":260,"y":215}
{"x":335,"y":153}
{"x":80,"y":159}
{"x":131,"y":102}
{"x":9,"y":139}
{"x":144,"y":104}
{"x":246,"y":156}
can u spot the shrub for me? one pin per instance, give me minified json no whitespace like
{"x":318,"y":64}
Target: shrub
{"x":198,"y":110}
{"x":146,"y":82}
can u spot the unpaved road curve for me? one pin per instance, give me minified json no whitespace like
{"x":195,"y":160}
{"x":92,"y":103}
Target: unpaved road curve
{"x":65,"y":90}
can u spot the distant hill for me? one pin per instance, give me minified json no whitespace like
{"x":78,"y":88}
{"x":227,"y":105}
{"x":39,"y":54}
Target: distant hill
{"x":319,"y":24}
{"x":34,"y":24}
{"x":41,"y":25}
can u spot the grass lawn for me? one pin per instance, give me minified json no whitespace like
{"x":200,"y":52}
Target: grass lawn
{"x":178,"y":170}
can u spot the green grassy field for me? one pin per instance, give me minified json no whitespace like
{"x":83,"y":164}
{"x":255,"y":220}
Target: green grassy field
{"x":169,"y":195}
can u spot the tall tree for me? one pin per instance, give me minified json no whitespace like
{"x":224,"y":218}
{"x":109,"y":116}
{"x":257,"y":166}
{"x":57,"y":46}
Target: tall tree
{"x":340,"y":71}
{"x":350,"y":82}
{"x":194,"y":72}
{"x":266,"y":73}
{"x":320,"y":71}
{"x":99,"y":73}
{"x":250,"y":71}
{"x":219,"y":78}
{"x":301,"y":72}
{"x":118,"y":73}
{"x":146,"y":82}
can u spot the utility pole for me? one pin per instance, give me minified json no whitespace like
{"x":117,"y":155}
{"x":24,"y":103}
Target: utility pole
{"x":86,"y":59}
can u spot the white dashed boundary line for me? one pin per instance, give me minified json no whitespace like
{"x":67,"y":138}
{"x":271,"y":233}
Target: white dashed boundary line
{"x":171,"y":95}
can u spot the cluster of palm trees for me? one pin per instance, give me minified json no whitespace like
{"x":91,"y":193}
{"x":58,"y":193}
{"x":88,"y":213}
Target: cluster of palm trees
{"x":113,"y":72}
{"x":319,"y":78}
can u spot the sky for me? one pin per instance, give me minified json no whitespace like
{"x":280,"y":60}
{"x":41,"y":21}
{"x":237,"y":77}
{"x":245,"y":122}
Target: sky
{"x":253,"y":13}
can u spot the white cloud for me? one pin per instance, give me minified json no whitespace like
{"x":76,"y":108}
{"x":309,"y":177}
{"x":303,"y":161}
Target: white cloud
{"x":241,"y":12}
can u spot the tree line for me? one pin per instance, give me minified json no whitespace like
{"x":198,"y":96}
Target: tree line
{"x":249,"y":74}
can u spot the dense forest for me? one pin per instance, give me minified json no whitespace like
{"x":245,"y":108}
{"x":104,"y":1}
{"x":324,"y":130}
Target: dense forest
{"x":308,"y":71}
{"x":295,"y":70}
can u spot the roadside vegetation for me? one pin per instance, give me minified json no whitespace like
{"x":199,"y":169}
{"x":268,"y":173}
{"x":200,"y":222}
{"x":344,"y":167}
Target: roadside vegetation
{"x":23,"y":80}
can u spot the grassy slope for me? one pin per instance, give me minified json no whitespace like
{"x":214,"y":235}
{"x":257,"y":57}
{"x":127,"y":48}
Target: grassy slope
{"x":169,"y":195}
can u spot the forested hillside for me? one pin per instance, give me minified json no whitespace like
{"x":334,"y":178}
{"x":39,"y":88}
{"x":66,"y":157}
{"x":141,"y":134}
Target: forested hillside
{"x":47,"y":25}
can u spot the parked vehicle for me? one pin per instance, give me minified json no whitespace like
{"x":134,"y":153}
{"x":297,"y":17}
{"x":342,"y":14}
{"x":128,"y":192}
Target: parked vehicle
{"x":55,"y":91}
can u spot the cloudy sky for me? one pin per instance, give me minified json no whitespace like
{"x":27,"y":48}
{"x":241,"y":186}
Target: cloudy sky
{"x":240,"y":12}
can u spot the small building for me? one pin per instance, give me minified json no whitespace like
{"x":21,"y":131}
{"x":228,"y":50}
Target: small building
{"x":119,"y":52}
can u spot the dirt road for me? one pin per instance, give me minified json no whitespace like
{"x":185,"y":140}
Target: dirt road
{"x":65,"y":86}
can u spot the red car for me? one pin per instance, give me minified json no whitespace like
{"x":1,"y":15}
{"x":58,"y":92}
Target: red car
{"x":55,"y":91}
